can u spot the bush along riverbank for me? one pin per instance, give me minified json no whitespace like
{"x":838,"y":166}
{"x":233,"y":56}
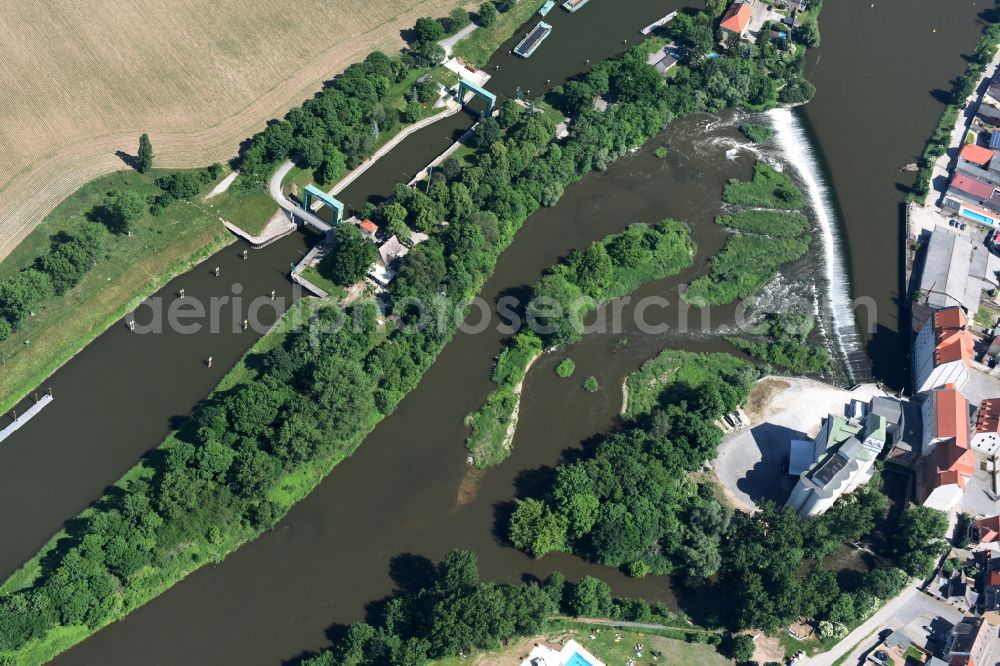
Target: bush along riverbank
{"x":98,"y":253}
{"x":750,"y":258}
{"x":611,"y":268}
{"x":641,"y":502}
{"x":782,"y":341}
{"x":964,"y":86}
{"x":249,"y":454}
{"x":457,"y":614}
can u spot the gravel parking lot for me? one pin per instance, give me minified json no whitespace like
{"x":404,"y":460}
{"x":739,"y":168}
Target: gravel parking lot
{"x":751,"y":463}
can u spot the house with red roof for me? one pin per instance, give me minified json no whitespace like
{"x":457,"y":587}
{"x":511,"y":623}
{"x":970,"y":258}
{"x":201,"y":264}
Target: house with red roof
{"x":946,"y":417}
{"x":948,"y":463}
{"x":736,"y":20}
{"x":989,"y":532}
{"x":368,"y":228}
{"x":978,"y":155}
{"x":942,"y":352}
{"x":970,"y":189}
{"x":986,"y":434}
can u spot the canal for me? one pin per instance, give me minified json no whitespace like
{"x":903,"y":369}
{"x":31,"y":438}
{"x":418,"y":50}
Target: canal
{"x":408,"y":492}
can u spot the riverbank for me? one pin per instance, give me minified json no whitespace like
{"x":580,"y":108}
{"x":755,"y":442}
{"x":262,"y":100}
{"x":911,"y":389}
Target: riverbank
{"x":154,"y":581}
{"x":128,"y":269}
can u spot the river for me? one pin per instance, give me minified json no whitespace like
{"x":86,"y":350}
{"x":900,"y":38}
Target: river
{"x":407,"y":493}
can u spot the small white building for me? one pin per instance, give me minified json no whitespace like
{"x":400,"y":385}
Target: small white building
{"x":986,"y":436}
{"x":842,"y":458}
{"x":942,"y":352}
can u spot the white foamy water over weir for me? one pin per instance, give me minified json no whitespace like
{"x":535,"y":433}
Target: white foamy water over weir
{"x":798,"y":151}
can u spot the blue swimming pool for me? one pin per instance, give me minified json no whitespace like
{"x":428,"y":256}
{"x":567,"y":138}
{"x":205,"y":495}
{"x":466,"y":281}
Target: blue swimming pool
{"x":578,"y":660}
{"x":978,"y":217}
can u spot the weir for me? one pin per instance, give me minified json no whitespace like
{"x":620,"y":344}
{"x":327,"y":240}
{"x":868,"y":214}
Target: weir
{"x":798,"y":151}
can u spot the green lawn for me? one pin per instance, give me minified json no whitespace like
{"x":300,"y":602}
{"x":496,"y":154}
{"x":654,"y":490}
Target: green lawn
{"x":480,"y":45}
{"x":668,"y":651}
{"x":250,"y":211}
{"x":333,"y":289}
{"x":128,"y":270}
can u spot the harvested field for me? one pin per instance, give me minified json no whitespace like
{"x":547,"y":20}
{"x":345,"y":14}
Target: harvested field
{"x":83,"y":81}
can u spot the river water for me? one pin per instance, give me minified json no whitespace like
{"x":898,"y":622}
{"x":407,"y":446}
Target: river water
{"x":407,"y":493}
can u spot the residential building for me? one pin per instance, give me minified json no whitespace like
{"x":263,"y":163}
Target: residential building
{"x":969,"y":189}
{"x":948,"y":462}
{"x":368,"y":228}
{"x":986,"y":435}
{"x":390,"y":251}
{"x":942,"y":352}
{"x":990,"y":597}
{"x":989,"y":532}
{"x":736,"y":20}
{"x":988,"y":114}
{"x":977,"y":155}
{"x":840,"y":459}
{"x":945,"y":416}
{"x":969,"y":643}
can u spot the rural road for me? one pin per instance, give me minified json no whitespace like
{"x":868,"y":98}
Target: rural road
{"x":274,"y":188}
{"x":449,"y":43}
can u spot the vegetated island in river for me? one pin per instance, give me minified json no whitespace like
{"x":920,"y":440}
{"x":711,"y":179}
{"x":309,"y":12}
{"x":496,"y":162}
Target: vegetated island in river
{"x":610,"y":268}
{"x":249,"y":454}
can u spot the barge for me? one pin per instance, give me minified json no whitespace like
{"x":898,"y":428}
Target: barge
{"x":533,"y":40}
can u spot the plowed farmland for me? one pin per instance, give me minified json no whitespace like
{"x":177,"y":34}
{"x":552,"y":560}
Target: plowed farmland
{"x":81,"y":81}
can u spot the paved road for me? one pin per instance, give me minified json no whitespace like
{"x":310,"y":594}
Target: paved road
{"x":274,"y":188}
{"x":449,"y":43}
{"x":910,"y":605}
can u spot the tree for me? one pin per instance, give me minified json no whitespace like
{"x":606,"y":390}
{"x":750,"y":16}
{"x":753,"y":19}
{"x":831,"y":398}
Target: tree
{"x":412,"y":112}
{"x":395,"y":218}
{"x":122,"y":209}
{"x":428,"y":30}
{"x":458,"y":19}
{"x":535,"y":529}
{"x":351,"y":257}
{"x":487,"y":14}
{"x":591,"y":597}
{"x":487,"y":133}
{"x":333,"y":167}
{"x":740,"y":648}
{"x":714,"y":8}
{"x":145,"y":158}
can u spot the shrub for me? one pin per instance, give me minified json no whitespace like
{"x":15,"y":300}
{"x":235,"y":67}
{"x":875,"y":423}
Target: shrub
{"x":590,"y":385}
{"x":565,"y":367}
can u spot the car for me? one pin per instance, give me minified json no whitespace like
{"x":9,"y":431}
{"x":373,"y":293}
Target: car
{"x":963,"y":226}
{"x":951,"y":223}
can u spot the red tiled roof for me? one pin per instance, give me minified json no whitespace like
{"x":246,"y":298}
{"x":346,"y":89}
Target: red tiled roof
{"x":737,"y":17}
{"x":953,"y":338}
{"x":949,"y":464}
{"x":369,"y":226}
{"x":994,"y":577}
{"x":952,"y":416}
{"x":971,"y":186}
{"x":976,"y":154}
{"x":989,"y":531}
{"x":988,"y":419}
